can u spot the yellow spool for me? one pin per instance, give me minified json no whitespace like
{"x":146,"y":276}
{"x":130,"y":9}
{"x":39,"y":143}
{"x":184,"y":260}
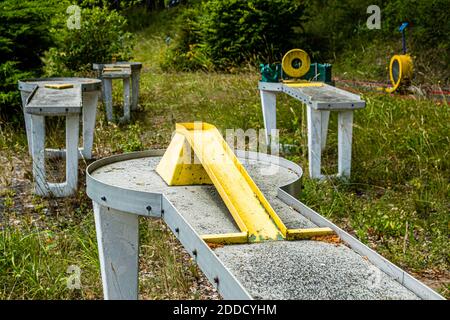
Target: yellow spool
{"x":296,"y":63}
{"x":400,"y":71}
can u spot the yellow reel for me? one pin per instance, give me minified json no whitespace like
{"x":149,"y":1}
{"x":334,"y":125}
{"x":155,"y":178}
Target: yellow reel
{"x":400,"y":71}
{"x":296,"y":63}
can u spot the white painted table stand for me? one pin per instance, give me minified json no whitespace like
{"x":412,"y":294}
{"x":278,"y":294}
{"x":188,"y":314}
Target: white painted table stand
{"x":319,"y":101}
{"x":90,"y":88}
{"x":43,"y":102}
{"x":130,"y":94}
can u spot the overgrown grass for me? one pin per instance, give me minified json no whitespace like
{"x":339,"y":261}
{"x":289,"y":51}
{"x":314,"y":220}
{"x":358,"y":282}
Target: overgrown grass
{"x":369,"y":61}
{"x":35,"y":260}
{"x":397,"y":200}
{"x":398,"y":197}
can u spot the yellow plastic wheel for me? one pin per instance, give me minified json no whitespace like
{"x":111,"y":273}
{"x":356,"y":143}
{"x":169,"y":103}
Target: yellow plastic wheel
{"x":400,"y":71}
{"x":296,"y":63}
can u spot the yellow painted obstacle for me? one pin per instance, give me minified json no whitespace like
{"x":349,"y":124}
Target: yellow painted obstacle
{"x":198,"y":154}
{"x":401,"y":66}
{"x":400,"y":71}
{"x":296,"y":63}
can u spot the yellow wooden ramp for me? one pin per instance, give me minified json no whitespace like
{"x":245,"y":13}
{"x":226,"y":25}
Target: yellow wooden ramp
{"x":198,"y":154}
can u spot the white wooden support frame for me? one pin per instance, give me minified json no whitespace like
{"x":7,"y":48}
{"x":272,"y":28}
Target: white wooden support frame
{"x":135,"y":80}
{"x":42,"y":186}
{"x":77,"y":101}
{"x":319,"y":105}
{"x":130,"y":73}
{"x":118,"y":249}
{"x":90,"y":95}
{"x":108,"y":98}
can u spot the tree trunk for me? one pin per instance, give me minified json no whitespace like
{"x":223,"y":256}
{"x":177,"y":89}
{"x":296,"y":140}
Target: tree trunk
{"x":152,"y":5}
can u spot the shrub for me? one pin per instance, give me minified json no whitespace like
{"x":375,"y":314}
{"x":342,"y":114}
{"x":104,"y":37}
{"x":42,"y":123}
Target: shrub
{"x":234,"y":31}
{"x":227,"y":33}
{"x":102,"y":35}
{"x":186,"y":50}
{"x":24,"y":36}
{"x":335,"y":26}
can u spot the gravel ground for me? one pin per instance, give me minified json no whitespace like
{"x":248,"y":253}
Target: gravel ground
{"x":308,"y":270}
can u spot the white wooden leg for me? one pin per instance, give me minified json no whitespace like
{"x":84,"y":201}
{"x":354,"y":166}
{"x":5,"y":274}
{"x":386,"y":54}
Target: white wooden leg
{"x":314,"y":142}
{"x":90,"y":100}
{"x":37,"y":125}
{"x":345,"y":128}
{"x":72,"y":134}
{"x":325,"y":119}
{"x":71,"y":154}
{"x":107,"y":99}
{"x":135,"y":89}
{"x":24,"y":95}
{"x":269,"y":109}
{"x":126,"y":99}
{"x":118,"y":248}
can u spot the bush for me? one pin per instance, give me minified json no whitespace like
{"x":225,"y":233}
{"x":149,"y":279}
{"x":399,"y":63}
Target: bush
{"x":102,"y":35}
{"x":24,"y":36}
{"x":235,"y":31}
{"x":227,"y":33}
{"x":332,"y":25}
{"x":186,"y":50}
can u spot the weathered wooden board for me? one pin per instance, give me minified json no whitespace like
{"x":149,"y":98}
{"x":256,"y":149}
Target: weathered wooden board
{"x":324,"y":97}
{"x":46,"y":101}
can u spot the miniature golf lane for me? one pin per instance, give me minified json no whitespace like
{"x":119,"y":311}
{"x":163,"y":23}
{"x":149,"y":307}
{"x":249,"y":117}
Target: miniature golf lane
{"x":303,"y":269}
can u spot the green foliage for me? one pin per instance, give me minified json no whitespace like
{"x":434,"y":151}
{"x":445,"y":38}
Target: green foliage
{"x":428,"y":20}
{"x":24,"y":36}
{"x":102,"y":35}
{"x":116,"y":4}
{"x":129,"y":140}
{"x":236,"y":31}
{"x":331,"y":24}
{"x":186,"y":51}
{"x":9,"y":95}
{"x":224,"y":34}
